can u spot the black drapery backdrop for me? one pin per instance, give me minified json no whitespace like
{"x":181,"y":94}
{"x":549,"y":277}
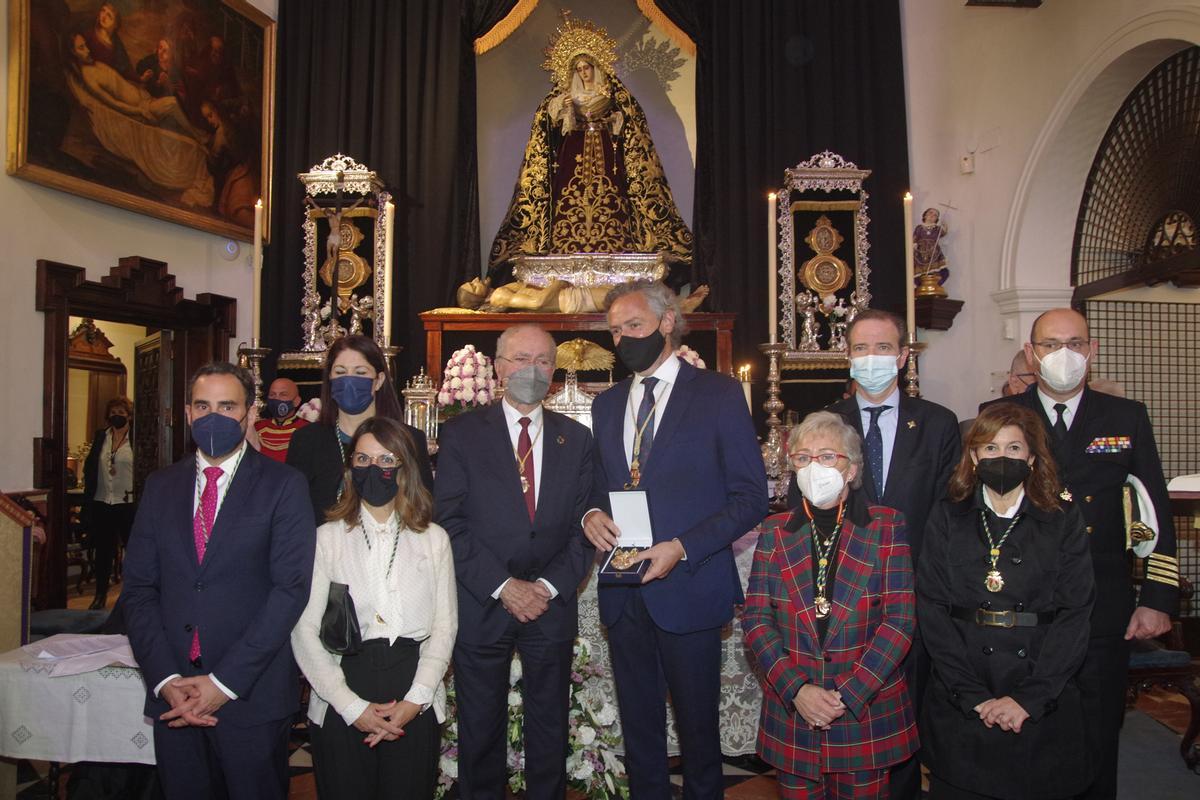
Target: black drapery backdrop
{"x":776,"y":82}
{"x":392,"y":84}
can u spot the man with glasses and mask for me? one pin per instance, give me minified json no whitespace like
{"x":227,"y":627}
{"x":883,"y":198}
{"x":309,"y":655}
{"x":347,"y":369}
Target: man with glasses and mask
{"x":683,"y":438}
{"x":275,"y":432}
{"x":216,"y":575}
{"x":1098,"y":440}
{"x":910,"y":449}
{"x":1020,"y":376}
{"x":513,"y":483}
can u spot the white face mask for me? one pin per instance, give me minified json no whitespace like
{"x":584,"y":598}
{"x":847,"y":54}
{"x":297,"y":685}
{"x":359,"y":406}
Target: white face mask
{"x":819,"y":484}
{"x":1064,"y":369}
{"x":873,"y":373}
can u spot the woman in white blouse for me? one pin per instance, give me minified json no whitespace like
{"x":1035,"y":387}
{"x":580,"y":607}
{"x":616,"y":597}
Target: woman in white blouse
{"x":372,"y":714}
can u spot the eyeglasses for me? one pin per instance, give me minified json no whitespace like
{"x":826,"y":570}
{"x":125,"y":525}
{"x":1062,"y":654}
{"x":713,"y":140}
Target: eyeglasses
{"x":384,"y":460}
{"x":827,"y":459}
{"x":1026,"y":378}
{"x":541,"y":362}
{"x":1074,"y":345}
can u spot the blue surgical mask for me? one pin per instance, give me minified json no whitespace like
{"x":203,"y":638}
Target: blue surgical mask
{"x":216,"y":434}
{"x":280,"y":409}
{"x":353,"y":393}
{"x":873,"y":373}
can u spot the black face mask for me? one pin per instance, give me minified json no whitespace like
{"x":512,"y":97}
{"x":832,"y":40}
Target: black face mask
{"x":375,"y":485}
{"x":1002,"y":474}
{"x":639,"y":354}
{"x":118,"y":421}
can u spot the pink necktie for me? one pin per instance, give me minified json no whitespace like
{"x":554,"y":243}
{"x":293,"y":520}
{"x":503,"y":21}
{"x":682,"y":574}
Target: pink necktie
{"x":202,"y":525}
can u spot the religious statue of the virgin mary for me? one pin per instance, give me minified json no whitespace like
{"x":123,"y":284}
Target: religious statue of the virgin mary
{"x":591,"y":180}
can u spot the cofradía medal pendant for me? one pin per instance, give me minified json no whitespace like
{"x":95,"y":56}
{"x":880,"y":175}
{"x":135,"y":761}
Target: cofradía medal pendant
{"x":823,"y":547}
{"x":821,"y":607}
{"x":994,"y":581}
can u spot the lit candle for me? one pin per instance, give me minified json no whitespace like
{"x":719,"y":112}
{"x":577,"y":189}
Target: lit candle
{"x":744,"y":377}
{"x":772,"y":268}
{"x":910,"y":311}
{"x":389,"y":218}
{"x":256,"y":302}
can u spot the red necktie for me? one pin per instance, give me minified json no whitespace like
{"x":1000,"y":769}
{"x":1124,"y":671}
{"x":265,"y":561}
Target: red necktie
{"x":525,"y":461}
{"x":202,"y":525}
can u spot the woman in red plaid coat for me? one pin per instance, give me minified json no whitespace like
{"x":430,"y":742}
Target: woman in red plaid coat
{"x":830,"y":616}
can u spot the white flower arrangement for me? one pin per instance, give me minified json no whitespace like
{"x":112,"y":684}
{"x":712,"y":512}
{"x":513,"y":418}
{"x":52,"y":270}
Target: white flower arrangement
{"x":691,"y":356}
{"x":593,"y":766}
{"x":310,"y":411}
{"x":468,"y":381}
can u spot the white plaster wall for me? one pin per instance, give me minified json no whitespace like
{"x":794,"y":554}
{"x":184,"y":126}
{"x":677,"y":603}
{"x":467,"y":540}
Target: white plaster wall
{"x":38,"y":222}
{"x":1030,"y":93}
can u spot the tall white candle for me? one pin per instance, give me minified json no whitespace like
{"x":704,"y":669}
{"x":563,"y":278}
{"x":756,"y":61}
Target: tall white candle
{"x":389,"y":219}
{"x":744,"y":377}
{"x":909,"y":307}
{"x":256,"y":302}
{"x":772,"y":268}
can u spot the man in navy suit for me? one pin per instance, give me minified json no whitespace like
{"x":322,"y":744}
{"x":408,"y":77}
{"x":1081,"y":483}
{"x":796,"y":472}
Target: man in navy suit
{"x":216,"y":575}
{"x":698,"y":460}
{"x":910,"y":447}
{"x":513,"y":483}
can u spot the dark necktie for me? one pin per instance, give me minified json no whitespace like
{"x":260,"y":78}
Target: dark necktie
{"x":1060,"y":424}
{"x":645,"y":422}
{"x":874,"y":442}
{"x":525,"y":463}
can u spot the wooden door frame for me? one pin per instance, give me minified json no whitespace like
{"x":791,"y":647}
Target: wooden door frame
{"x":138,"y":291}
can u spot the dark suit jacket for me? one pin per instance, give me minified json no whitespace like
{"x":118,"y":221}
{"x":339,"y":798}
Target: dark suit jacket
{"x":482,"y":508}
{"x":315,"y":452}
{"x":1094,"y":481}
{"x":706,"y":485}
{"x":927,"y":448}
{"x":245,"y":597}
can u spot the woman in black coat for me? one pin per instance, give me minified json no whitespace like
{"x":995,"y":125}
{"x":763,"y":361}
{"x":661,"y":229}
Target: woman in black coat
{"x":108,"y":502}
{"x":355,"y":387}
{"x":1004,"y":594}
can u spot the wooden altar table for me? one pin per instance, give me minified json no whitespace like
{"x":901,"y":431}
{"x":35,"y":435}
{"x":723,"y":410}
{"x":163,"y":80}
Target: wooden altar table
{"x":437,"y":323}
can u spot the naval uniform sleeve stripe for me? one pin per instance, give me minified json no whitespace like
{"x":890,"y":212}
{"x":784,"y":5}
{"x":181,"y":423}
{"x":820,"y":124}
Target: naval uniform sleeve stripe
{"x":1168,"y":582}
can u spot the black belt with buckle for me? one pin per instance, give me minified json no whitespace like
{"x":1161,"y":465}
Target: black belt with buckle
{"x":1002,"y":619}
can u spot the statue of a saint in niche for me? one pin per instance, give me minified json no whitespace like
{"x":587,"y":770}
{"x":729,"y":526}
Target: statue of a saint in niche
{"x":927,"y":247}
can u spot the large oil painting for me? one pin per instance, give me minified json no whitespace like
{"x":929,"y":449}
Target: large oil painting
{"x":163,"y":107}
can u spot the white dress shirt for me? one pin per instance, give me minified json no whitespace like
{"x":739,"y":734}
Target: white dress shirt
{"x":667,"y":374}
{"x":418,"y":600}
{"x":513,"y":418}
{"x":1072,"y":404}
{"x":1012,"y":510}
{"x":115,"y":489}
{"x":888,"y":422}
{"x":228,"y":469}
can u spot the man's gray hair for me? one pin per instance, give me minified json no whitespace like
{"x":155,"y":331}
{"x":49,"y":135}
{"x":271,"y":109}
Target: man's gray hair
{"x":660,"y":299}
{"x":821,"y":423}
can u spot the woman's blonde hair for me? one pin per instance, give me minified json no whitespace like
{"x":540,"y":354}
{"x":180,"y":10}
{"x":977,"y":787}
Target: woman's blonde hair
{"x":413,"y":503}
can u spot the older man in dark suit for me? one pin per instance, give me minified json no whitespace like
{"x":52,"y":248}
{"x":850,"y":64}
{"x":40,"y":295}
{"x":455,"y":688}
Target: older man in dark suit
{"x":1098,"y":440}
{"x":512,"y":486}
{"x":684,"y":437}
{"x":216,"y":575}
{"x":910,"y":447}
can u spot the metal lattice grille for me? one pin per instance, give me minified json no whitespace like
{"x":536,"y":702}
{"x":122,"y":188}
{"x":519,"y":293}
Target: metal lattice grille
{"x":1148,"y":165}
{"x":1150,"y":349}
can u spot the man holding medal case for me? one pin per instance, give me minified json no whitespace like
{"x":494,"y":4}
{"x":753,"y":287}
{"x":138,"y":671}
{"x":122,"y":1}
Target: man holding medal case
{"x":675,"y":446}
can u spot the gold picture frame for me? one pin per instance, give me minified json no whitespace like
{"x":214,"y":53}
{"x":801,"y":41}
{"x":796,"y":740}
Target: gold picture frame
{"x":165,"y":108}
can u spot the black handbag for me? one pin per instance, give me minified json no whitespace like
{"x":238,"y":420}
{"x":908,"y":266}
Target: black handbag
{"x":339,"y":626}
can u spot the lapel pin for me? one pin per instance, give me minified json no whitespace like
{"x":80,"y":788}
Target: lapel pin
{"x":562,"y":439}
{"x":912,"y":423}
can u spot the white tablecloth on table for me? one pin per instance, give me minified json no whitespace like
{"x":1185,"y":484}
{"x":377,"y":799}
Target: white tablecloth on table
{"x":741,"y":694}
{"x":96,"y":716}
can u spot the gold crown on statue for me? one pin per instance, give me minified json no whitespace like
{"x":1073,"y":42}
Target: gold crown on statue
{"x":573,"y":39}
